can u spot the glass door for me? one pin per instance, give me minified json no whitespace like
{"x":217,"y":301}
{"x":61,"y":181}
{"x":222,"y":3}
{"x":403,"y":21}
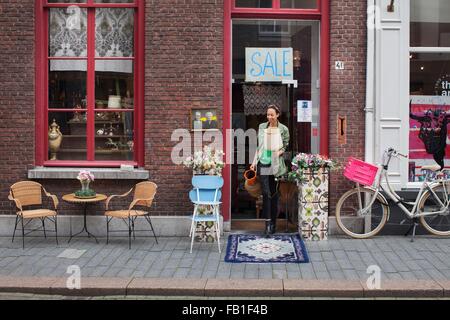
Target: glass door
{"x":297,"y":97}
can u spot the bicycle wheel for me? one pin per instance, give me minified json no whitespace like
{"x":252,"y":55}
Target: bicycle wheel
{"x":438,"y":224}
{"x":353,"y":221}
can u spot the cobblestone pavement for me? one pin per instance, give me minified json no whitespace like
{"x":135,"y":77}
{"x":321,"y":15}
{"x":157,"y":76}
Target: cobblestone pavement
{"x":428,"y":258}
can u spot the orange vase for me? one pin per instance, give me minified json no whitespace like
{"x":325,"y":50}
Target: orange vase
{"x":250,"y":177}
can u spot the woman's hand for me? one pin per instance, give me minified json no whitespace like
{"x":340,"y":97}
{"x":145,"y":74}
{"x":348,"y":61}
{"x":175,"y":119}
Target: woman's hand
{"x":252,"y":167}
{"x":280,"y":153}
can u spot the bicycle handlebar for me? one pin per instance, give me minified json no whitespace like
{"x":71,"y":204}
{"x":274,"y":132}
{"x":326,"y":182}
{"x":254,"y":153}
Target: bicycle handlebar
{"x":395,"y":153}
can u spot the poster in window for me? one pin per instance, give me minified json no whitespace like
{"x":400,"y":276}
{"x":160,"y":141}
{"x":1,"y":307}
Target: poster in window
{"x":304,"y":109}
{"x":428,"y":134}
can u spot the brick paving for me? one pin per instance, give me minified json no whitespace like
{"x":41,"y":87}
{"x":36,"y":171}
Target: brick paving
{"x":428,"y":258}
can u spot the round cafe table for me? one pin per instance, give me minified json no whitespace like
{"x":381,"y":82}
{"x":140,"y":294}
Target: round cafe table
{"x":71,"y":198}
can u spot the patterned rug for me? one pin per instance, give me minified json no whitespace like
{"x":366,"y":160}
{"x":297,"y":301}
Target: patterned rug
{"x":244,"y":248}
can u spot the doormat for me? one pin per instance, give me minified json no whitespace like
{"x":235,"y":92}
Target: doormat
{"x":244,"y":248}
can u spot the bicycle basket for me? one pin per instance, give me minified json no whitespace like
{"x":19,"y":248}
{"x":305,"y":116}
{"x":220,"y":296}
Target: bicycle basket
{"x":360,"y":172}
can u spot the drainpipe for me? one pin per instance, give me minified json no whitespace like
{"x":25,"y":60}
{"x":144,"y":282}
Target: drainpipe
{"x":370,"y":85}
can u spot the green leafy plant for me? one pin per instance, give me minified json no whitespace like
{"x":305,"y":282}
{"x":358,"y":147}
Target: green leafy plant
{"x":85,"y":193}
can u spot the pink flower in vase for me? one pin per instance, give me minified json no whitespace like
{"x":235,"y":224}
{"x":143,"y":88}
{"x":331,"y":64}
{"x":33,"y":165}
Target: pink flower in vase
{"x":85,"y":176}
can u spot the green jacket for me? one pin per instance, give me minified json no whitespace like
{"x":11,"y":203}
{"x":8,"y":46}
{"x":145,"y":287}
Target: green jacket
{"x":279,"y":167}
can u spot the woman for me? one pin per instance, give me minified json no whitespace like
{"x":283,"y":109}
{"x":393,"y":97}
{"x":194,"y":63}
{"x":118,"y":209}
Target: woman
{"x":273,"y":140}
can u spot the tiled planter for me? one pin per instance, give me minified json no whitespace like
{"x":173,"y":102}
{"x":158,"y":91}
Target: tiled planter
{"x":313,"y":206}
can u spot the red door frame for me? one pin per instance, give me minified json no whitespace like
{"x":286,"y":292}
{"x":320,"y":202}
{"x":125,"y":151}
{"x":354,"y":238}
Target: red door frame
{"x":322,"y":13}
{"x":41,"y":80}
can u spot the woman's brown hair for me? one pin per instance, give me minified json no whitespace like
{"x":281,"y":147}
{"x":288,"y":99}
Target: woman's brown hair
{"x":276,"y":108}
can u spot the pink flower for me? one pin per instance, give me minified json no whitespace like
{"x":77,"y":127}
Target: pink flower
{"x":85,"y":175}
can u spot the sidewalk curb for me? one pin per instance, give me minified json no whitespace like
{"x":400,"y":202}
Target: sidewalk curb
{"x":223,"y":287}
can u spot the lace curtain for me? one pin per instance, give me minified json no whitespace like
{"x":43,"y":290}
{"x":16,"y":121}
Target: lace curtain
{"x":114,"y":37}
{"x":258,"y":97}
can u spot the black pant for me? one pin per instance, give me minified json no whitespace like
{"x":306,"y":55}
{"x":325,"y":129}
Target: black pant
{"x":269,"y":189}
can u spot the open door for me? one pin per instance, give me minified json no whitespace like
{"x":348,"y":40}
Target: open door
{"x":298,"y":99}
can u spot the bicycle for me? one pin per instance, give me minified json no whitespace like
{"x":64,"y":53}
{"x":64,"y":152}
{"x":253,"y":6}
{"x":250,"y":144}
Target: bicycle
{"x":363,"y":211}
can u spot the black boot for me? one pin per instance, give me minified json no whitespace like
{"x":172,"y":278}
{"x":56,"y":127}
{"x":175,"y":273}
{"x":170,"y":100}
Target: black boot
{"x":268,"y":229}
{"x":273,"y":226}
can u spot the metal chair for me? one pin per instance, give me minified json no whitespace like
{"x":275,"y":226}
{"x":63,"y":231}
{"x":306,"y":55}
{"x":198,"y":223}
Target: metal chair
{"x":29,"y":193}
{"x":144,"y":194}
{"x":206,"y":192}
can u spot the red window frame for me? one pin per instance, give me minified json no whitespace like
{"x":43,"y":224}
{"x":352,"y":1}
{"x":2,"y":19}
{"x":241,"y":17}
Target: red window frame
{"x":276,"y":9}
{"x":322,"y":14}
{"x":42,"y":59}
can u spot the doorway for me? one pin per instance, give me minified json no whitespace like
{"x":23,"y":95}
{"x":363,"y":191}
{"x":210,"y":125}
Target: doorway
{"x":250,"y":99}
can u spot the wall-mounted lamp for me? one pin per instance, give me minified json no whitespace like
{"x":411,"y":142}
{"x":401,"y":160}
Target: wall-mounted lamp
{"x":297,"y":58}
{"x":391,"y":7}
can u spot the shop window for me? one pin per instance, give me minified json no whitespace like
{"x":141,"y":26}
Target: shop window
{"x":93,"y":100}
{"x":253,"y":3}
{"x":430,"y":23}
{"x":298,"y":4}
{"x":274,"y":28}
{"x":283,"y":4}
{"x":85,"y":1}
{"x":429,"y":86}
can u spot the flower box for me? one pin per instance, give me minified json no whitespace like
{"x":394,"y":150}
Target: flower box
{"x":311,"y":173}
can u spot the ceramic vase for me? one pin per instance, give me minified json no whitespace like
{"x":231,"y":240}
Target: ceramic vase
{"x":54,"y":140}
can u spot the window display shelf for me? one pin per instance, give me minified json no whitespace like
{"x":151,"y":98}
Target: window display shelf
{"x":71,"y":122}
{"x":112,"y":151}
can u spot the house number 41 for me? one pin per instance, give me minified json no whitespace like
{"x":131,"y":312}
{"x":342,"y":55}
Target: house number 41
{"x":340,"y":65}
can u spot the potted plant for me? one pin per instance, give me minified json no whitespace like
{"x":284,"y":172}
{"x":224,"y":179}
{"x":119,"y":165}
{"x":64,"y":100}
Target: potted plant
{"x":311,"y":174}
{"x":206,"y":162}
{"x":85,"y":178}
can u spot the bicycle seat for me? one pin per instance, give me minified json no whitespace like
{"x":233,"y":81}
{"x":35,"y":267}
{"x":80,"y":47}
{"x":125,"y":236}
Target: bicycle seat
{"x":433,"y":168}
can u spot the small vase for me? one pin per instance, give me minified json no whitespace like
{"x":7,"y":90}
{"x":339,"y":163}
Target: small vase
{"x":85,"y":185}
{"x":54,"y":139}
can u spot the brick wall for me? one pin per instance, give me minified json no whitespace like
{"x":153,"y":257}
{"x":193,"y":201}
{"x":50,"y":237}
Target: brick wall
{"x":347,"y":87}
{"x":183,"y":70}
{"x":16,"y":93}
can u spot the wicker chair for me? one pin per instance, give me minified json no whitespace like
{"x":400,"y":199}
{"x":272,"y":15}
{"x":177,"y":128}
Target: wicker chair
{"x":144,"y":194}
{"x":29,"y":193}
